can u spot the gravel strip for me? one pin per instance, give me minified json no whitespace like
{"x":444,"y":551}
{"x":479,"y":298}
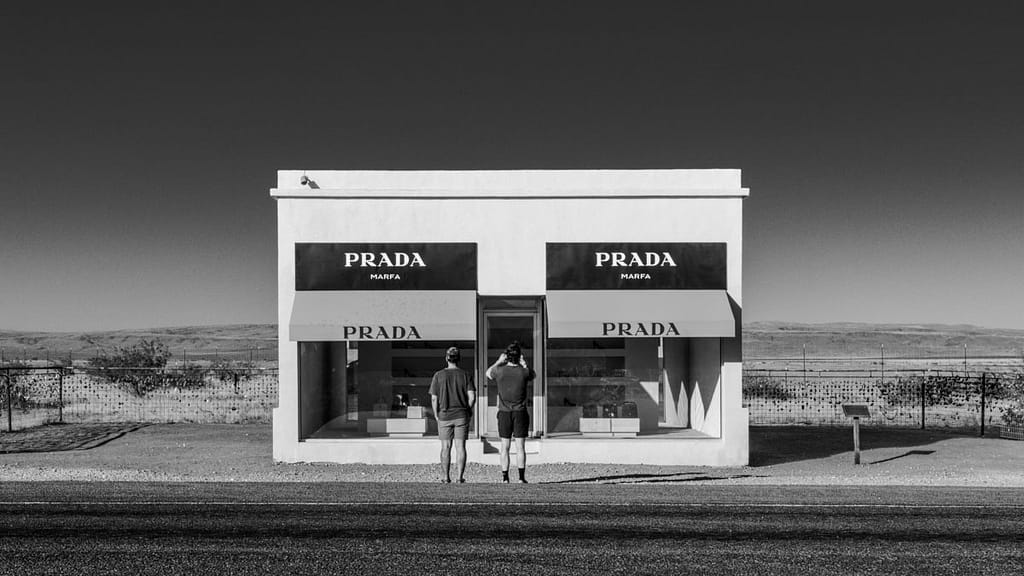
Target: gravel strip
{"x":242,"y":453}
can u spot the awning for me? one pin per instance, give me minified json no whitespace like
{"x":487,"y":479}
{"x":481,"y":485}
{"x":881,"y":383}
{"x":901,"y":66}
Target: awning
{"x":639,"y":313}
{"x":383,"y":315}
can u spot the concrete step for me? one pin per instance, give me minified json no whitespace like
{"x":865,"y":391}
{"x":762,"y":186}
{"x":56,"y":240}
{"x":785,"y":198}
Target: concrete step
{"x":493,"y":445}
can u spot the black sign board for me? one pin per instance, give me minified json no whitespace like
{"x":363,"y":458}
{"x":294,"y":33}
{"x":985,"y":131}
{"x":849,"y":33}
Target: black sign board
{"x":856,"y":411}
{"x":407,"y":266}
{"x":636,"y":266}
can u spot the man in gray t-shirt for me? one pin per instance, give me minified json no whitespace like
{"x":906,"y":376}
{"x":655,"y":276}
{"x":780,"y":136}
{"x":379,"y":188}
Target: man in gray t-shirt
{"x":512,"y":376}
{"x":452,"y":396}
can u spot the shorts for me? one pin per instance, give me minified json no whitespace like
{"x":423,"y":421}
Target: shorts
{"x":457,"y":429}
{"x":513,"y":424}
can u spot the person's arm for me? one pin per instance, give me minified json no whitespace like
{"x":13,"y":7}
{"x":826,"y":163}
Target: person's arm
{"x":501,"y":361}
{"x":471,"y":392}
{"x":434,"y":390}
{"x":530,"y":374}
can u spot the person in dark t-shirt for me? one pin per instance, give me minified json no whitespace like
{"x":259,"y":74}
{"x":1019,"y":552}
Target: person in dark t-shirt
{"x":452,"y":396}
{"x":512,"y":376}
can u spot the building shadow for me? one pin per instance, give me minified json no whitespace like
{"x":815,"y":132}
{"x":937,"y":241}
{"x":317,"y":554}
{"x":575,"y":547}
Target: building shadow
{"x":770,"y":445}
{"x":652,"y":478}
{"x":904,"y":455}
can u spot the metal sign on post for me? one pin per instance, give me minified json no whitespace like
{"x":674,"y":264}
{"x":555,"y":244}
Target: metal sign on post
{"x":856,"y":411}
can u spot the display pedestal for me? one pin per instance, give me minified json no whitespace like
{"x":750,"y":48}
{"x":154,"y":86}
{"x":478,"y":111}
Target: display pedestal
{"x":610,"y":427}
{"x":397,"y":427}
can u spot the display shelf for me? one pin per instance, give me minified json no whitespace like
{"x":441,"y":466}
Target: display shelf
{"x":397,"y":427}
{"x":610,"y":427}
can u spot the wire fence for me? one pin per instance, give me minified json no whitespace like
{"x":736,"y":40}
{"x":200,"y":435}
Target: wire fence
{"x":259,"y":355}
{"x":910,"y":398}
{"x":222,"y":393}
{"x":31,"y":396}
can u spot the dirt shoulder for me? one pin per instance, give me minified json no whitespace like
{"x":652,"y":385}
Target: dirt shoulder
{"x":242,"y":453}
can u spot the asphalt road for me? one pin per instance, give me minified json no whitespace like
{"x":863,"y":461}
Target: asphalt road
{"x":99,"y":528}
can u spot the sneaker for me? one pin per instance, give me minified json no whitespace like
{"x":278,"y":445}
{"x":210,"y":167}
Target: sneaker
{"x":446,"y":481}
{"x":523,"y":481}
{"x":462,"y":480}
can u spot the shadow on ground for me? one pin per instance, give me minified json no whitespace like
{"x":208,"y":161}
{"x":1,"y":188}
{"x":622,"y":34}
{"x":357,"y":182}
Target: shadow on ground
{"x":770,"y":445}
{"x":673,"y":477}
{"x":63,"y":437}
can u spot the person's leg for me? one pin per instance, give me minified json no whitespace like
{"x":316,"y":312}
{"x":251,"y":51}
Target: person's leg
{"x":521,"y":424}
{"x":503,"y":457}
{"x":446,"y":459}
{"x":521,"y":457}
{"x":460,"y":458}
{"x":505,"y":433}
{"x":461,"y":433}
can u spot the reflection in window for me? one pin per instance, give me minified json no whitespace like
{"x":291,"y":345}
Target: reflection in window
{"x":369,"y":388}
{"x":603,"y":387}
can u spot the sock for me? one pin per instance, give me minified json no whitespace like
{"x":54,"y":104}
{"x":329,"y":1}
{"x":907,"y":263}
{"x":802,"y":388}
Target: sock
{"x":504,"y":475}
{"x":522,"y":473}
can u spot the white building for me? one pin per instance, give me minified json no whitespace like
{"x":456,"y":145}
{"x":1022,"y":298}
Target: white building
{"x":623,"y":286}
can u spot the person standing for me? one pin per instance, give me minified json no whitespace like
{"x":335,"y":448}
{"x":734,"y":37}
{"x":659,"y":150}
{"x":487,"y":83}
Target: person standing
{"x":511,"y":375}
{"x":452,"y":396}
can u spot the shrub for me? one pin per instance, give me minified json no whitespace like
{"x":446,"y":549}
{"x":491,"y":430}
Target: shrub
{"x":901,"y":392}
{"x":1013,"y":414}
{"x":142,"y":368}
{"x":939,"y":390}
{"x":21,"y":393}
{"x":764,"y":387}
{"x":227,"y":371}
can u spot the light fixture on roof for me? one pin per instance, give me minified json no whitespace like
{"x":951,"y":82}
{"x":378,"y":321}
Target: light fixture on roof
{"x":307,"y":181}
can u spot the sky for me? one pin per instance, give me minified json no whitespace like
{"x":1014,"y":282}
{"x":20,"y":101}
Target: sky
{"x":882,"y":143}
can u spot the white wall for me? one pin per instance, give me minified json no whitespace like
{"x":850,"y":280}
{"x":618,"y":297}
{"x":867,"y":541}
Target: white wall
{"x":510,"y":216}
{"x":511,"y":234}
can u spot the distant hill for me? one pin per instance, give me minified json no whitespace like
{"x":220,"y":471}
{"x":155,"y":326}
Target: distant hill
{"x":230,"y":341}
{"x":761,"y":340}
{"x":784,"y":339}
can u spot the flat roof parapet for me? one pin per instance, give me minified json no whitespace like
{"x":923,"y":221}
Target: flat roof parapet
{"x":508,"y":183}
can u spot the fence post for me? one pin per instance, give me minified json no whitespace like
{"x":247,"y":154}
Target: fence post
{"x":924,"y":384}
{"x":10,"y":420}
{"x":60,"y":397}
{"x":982,"y":404}
{"x":965,"y":361}
{"x":882,"y":350}
{"x":805,"y":365}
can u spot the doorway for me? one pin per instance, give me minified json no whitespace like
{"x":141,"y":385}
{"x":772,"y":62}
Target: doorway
{"x":503,"y":321}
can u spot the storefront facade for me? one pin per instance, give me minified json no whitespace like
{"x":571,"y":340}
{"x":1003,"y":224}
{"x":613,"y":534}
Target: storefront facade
{"x":622,"y":286}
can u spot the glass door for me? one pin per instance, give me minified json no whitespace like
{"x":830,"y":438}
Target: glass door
{"x":508,"y":321}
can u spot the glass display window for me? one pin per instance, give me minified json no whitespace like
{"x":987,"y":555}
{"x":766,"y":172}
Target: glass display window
{"x":608,"y":387}
{"x":350,"y":389}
